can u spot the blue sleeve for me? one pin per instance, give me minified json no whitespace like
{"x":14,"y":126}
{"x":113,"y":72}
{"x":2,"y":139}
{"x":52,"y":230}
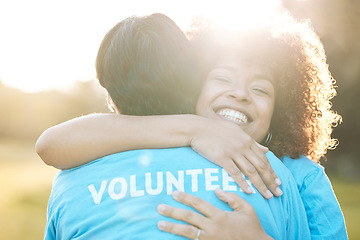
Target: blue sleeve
{"x":50,"y":232}
{"x":50,"y":229}
{"x":297,"y":225}
{"x":323,"y":211}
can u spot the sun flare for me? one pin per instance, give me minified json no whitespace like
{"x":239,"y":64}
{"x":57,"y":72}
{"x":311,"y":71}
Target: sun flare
{"x":60,"y":51}
{"x":238,"y":14}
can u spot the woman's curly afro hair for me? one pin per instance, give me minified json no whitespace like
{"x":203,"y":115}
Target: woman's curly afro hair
{"x":303,"y":120}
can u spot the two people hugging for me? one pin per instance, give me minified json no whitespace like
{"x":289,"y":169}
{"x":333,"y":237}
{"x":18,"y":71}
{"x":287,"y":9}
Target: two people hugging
{"x":183,"y":156}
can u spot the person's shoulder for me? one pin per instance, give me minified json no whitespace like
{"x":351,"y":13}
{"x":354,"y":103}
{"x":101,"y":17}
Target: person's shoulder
{"x":302,"y":165}
{"x":150,"y":152}
{"x":275,"y":162}
{"x":304,"y":170}
{"x":300,"y":161}
{"x":174,"y":150}
{"x":278,"y":166}
{"x":140,"y":156}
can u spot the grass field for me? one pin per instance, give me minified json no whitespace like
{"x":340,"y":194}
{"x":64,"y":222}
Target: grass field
{"x":25,"y":184}
{"x":25,"y":187}
{"x":348,"y":194}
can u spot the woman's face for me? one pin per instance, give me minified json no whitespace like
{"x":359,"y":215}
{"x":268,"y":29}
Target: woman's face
{"x":239,"y":92}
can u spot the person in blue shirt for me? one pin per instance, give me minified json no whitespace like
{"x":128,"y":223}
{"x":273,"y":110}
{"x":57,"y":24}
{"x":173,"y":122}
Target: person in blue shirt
{"x":116,"y":196}
{"x":301,"y":122}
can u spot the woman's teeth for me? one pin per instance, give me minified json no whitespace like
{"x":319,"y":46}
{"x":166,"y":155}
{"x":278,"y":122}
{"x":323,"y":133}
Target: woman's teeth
{"x":233,"y":115}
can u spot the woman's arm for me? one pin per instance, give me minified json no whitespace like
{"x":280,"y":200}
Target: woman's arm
{"x":213,"y":223}
{"x":87,"y":138}
{"x":84,"y":139}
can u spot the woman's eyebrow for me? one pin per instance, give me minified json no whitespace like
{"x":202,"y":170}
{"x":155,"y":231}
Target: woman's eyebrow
{"x":263,"y":77}
{"x":258,"y":76}
{"x":229,"y":68}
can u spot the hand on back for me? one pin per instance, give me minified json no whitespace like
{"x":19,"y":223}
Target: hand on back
{"x":211,"y":222}
{"x":227,"y":145}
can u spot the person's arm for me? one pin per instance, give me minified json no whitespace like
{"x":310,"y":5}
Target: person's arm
{"x":87,"y":138}
{"x":213,"y":222}
{"x":84,"y":139}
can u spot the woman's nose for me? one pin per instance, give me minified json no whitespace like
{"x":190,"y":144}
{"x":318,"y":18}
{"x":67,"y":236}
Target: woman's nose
{"x":239,"y":93}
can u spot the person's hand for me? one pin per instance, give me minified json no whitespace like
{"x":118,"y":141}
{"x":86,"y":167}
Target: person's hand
{"x":213,"y":223}
{"x":228,"y":146}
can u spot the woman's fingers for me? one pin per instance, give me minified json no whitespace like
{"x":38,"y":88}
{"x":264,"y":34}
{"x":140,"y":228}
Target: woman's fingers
{"x":233,"y":169}
{"x":239,"y":154}
{"x":263,"y":148}
{"x":248,"y":169}
{"x":188,"y":231}
{"x":263,"y":167}
{"x":254,"y":165}
{"x":251,"y":168}
{"x":197,"y":203}
{"x":234,"y":200}
{"x":185,"y":215}
{"x":258,"y":172}
{"x":218,"y":224}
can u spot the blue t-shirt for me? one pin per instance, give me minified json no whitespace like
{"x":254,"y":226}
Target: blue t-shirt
{"x":325,"y":218}
{"x":115,"y":197}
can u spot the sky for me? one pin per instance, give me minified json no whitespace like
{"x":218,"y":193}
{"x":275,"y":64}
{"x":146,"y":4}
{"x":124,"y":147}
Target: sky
{"x":48,"y":44}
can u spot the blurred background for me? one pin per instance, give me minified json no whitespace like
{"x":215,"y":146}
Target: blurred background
{"x":47,"y":76}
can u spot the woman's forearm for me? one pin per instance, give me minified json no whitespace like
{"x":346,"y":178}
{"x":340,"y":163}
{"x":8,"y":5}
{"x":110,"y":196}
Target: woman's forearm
{"x":87,"y":138}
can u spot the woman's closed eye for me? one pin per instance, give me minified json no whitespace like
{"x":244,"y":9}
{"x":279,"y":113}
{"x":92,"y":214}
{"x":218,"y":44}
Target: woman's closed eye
{"x":261,"y":90}
{"x":223,"y":79}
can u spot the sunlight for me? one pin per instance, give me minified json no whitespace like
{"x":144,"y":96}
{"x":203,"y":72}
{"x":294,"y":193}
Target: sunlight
{"x":239,"y":14}
{"x":51,"y":45}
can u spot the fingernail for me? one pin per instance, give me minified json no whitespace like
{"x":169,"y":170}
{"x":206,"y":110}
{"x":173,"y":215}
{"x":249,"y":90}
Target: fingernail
{"x":162,"y":225}
{"x":176,"y":194}
{"x":269,"y":194}
{"x":278,"y":181}
{"x":220,"y":191}
{"x":221,"y":194}
{"x":249,"y":190}
{"x":278,"y":191}
{"x":161,"y":208}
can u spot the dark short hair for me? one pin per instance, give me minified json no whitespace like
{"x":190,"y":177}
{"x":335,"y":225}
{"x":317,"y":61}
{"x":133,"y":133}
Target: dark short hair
{"x":146,"y":65}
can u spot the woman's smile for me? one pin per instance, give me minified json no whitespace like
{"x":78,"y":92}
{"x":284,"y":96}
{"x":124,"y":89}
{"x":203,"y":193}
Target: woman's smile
{"x":233,"y":115}
{"x":239,"y":92}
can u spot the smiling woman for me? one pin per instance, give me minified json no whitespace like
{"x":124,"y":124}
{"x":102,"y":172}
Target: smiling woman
{"x":238,"y":80}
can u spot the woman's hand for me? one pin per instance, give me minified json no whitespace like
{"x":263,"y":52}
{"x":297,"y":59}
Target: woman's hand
{"x":213,"y":223}
{"x":228,"y":146}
